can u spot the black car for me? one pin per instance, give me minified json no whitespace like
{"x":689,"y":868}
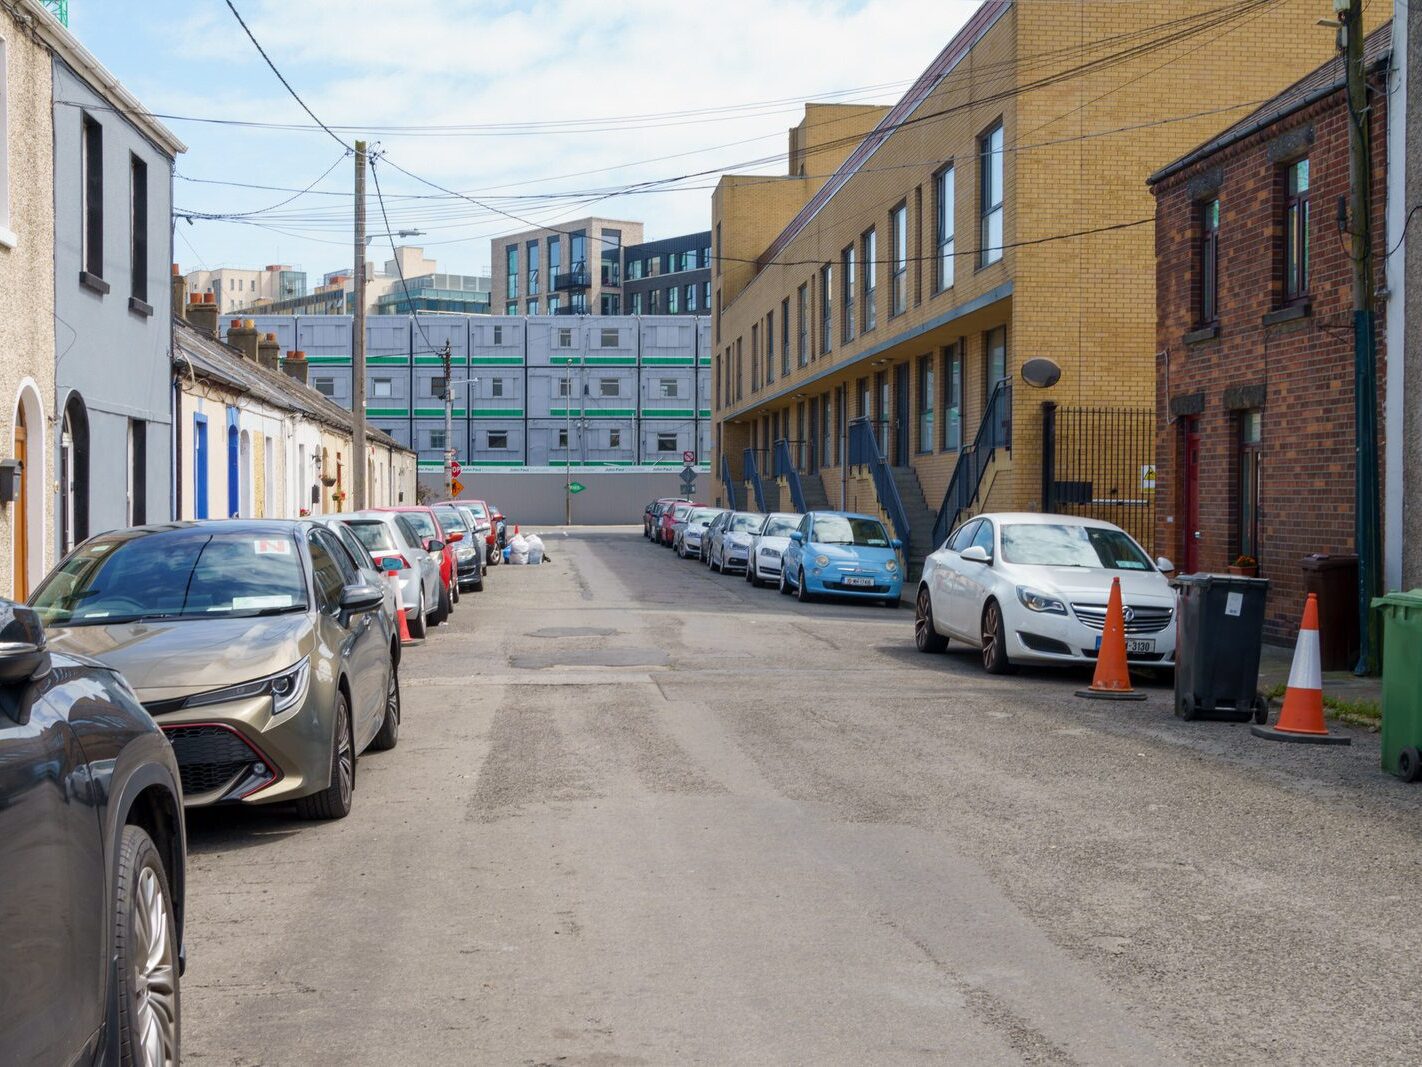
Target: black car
{"x":92,"y":854}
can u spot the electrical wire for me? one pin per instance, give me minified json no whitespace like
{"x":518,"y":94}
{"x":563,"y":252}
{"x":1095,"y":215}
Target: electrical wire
{"x":395,"y":253}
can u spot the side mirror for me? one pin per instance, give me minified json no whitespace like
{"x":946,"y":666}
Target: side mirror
{"x":797,"y":537}
{"x":975,"y":554}
{"x":434,"y":544}
{"x":361,"y":597}
{"x":1163,"y":564}
{"x":896,"y":543}
{"x":391,"y":563}
{"x":22,"y":645}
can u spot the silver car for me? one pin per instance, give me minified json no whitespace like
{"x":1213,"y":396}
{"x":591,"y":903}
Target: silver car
{"x":768,"y":546}
{"x":396,"y":545}
{"x":689,"y":533}
{"x":730,"y":540}
{"x":364,"y":562}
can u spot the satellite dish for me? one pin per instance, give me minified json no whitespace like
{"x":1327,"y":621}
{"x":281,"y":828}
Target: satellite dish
{"x":1041,"y":372}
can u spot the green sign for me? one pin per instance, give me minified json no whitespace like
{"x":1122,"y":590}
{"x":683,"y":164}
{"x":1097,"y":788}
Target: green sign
{"x":576,"y":487}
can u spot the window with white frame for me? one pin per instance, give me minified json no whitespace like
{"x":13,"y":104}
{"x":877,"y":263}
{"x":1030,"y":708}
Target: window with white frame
{"x":608,"y":338}
{"x":565,"y":386}
{"x":614,"y":438}
{"x":565,"y":337}
{"x":497,"y":439}
{"x":667,"y":388}
{"x":943,"y":189}
{"x":609,"y":387}
{"x":666,"y":442}
{"x":990,"y":192}
{"x":382,"y":388}
{"x":496,"y":387}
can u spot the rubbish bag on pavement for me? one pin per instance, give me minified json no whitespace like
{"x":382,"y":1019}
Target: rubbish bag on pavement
{"x":518,"y":549}
{"x":535,"y":548}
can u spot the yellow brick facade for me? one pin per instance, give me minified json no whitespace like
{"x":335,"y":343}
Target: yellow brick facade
{"x":1092,"y":99}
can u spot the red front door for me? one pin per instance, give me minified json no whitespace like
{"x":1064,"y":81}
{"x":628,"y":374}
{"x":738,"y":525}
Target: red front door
{"x":1190,"y":497}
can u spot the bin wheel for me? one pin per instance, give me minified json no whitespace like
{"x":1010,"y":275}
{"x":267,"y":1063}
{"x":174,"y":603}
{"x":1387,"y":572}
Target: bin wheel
{"x":1409,"y":765}
{"x":1185,"y":709}
{"x":1261,"y":709}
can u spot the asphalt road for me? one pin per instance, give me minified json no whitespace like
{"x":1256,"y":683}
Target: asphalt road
{"x":644,"y":814}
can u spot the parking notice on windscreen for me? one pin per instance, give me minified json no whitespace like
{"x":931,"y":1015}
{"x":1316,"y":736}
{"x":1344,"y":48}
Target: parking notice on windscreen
{"x":273,"y":547}
{"x":1234,"y":603}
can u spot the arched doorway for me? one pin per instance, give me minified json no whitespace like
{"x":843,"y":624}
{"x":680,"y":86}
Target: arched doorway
{"x":233,"y":479}
{"x":27,"y":512}
{"x":74,"y":474}
{"x":245,"y":466}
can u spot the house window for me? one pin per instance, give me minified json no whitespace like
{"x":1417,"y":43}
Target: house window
{"x":994,"y":359}
{"x":952,"y":398}
{"x":666,"y":442}
{"x":718,"y":249}
{"x":717,"y":374}
{"x":533,"y":307}
{"x":565,"y":337}
{"x":511,"y":271}
{"x":92,"y":148}
{"x":785,"y":338}
{"x":324,"y":386}
{"x":870,"y":244}
{"x":614,"y":438}
{"x":138,"y":472}
{"x":1208,"y":309}
{"x":608,"y":387}
{"x":1296,"y":213}
{"x":611,"y":304}
{"x":827,"y":439}
{"x":497,"y":440}
{"x":769,"y":347}
{"x":802,"y":304}
{"x":532,"y":268}
{"x":634,"y":269}
{"x":138,"y":228}
{"x":667,"y":388}
{"x":578,"y":251}
{"x":706,"y":295}
{"x":926,"y":398}
{"x":498,"y":335}
{"x":555,"y":259}
{"x":740,"y":370}
{"x":636,"y":303}
{"x":496,"y":387}
{"x":826,"y":307}
{"x":1251,"y":437}
{"x":755,"y":356}
{"x":898,"y":281}
{"x":554,"y":303}
{"x":565,"y":386}
{"x":654,"y":301}
{"x":437,"y":439}
{"x":847,"y":293}
{"x":438,"y":386}
{"x":382,"y":388}
{"x":673,"y":300}
{"x":511,"y":307}
{"x":690,"y":295}
{"x":563,"y":438}
{"x":943,"y":189}
{"x":607,"y":337}
{"x":990,"y":205}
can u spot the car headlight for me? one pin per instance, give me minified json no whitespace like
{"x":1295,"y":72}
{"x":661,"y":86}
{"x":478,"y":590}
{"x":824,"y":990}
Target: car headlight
{"x":891,"y":566}
{"x":286,"y":689}
{"x":770,"y":553}
{"x":821,"y":561}
{"x":1040,"y":602}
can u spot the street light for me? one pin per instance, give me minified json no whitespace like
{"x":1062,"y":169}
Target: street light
{"x":399,"y":233}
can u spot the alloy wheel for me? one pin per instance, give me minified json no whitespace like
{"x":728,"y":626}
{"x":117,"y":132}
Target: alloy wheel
{"x":154,"y":980}
{"x":345,"y":756}
{"x":925,"y":637}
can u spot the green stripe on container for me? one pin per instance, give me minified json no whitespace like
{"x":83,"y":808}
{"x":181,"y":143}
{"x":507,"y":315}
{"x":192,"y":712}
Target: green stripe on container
{"x":388,"y":361}
{"x":327,"y":360}
{"x":493,"y":463}
{"x":388,"y":413}
{"x":497,"y":413}
{"x":437,"y":413}
{"x":497,"y":361}
{"x":705,"y":361}
{"x":667,"y":361}
{"x":595,"y":361}
{"x":668,"y":413}
{"x":705,"y":413}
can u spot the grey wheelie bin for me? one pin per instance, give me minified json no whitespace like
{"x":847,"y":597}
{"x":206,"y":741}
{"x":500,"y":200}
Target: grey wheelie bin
{"x":1219,"y":634}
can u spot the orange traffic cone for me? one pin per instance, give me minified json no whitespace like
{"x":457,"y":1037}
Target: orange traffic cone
{"x":405,"y":638}
{"x":1301,"y":718}
{"x":1112,"y":680}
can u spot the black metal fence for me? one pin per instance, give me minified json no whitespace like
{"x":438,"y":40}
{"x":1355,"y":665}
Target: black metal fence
{"x":1100,"y":463}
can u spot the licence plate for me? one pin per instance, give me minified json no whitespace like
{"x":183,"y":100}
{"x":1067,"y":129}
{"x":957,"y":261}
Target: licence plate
{"x":1135,"y":646}
{"x":850,"y":579}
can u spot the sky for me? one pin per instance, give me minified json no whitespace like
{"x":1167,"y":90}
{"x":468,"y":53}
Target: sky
{"x":541,"y":111}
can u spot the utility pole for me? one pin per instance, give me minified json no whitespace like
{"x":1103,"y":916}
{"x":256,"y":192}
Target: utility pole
{"x":358,"y":446}
{"x":446,"y":357}
{"x":1367,"y":503}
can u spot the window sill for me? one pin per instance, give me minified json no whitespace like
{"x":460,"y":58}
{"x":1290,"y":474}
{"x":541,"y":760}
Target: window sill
{"x":140,"y":307}
{"x":8,"y":238}
{"x":1301,"y":310}
{"x":94,"y":282}
{"x":1204,"y":333}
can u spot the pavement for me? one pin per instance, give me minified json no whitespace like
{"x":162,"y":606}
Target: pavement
{"x":641,"y":814}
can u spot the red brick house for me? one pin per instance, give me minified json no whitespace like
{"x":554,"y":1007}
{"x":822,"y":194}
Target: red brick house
{"x":1254,"y":356}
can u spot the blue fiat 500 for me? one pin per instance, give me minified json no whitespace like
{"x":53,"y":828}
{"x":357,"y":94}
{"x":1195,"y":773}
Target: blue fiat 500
{"x":840,"y":554}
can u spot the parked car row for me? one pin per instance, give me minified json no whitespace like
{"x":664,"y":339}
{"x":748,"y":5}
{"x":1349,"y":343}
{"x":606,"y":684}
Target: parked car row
{"x":182,"y":665}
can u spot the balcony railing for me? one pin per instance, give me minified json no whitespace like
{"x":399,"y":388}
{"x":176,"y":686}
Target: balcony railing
{"x":578,"y":278}
{"x":570,"y":309}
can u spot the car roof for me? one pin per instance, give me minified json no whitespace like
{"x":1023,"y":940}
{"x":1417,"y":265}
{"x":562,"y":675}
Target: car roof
{"x":1040,"y":518}
{"x":847,"y":515}
{"x":287,"y":526}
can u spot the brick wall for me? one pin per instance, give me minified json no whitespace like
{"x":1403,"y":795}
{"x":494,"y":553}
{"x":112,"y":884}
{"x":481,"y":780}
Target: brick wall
{"x":1298,"y":373}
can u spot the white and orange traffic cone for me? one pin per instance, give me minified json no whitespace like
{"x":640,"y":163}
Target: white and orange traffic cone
{"x":1301,"y":718}
{"x":1112,"y":680}
{"x":405,"y":638}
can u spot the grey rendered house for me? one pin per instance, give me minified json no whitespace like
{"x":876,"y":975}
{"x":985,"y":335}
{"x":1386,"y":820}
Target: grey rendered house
{"x":113,"y":205}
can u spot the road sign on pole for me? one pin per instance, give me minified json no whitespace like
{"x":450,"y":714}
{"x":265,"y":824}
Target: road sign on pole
{"x":576,"y":487}
{"x":688,"y":474}
{"x":454,"y":468}
{"x":456,"y":486}
{"x":688,"y":457}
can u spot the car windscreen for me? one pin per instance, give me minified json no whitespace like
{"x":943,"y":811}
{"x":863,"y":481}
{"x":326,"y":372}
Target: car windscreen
{"x":701,"y":515}
{"x":1070,"y":545}
{"x":423,"y":524}
{"x":374,"y":534}
{"x":780,"y":525}
{"x":842,"y":530}
{"x":478,"y":509}
{"x":681,"y":512}
{"x":474,"y":521}
{"x":746,"y":522}
{"x":197,"y":573}
{"x":452,"y":520}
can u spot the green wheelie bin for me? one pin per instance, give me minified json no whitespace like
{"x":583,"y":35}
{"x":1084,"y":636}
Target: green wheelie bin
{"x":1402,"y":684}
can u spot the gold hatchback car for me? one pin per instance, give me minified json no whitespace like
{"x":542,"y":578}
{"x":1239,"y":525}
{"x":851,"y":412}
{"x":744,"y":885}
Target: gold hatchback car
{"x":256,"y":645}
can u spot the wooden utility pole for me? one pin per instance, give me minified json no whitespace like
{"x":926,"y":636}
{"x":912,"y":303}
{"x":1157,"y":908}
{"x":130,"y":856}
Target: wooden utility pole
{"x":1367,"y":503}
{"x":358,"y":445}
{"x":447,"y":359}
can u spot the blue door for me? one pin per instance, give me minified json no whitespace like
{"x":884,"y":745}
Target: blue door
{"x":200,"y":466}
{"x":232,"y":476}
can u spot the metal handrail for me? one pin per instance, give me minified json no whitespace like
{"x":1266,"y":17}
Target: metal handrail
{"x":994,"y":432}
{"x":864,"y":452}
{"x":726,"y":481}
{"x":752,"y":473}
{"x":785,"y":468}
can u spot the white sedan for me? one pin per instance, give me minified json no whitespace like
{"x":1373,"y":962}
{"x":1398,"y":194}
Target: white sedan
{"x":1032,"y":588}
{"x":767,"y":547}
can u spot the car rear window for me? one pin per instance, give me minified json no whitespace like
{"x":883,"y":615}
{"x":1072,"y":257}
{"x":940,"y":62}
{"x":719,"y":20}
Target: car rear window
{"x":421,"y":521}
{"x":451,"y":519}
{"x":375,"y":535}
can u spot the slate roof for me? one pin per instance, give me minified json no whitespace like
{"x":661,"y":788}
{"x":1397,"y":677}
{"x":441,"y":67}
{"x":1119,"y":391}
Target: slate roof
{"x":1312,"y":87}
{"x":195,"y":353}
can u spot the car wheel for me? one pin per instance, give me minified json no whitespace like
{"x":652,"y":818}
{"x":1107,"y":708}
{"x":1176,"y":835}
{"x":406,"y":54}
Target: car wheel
{"x":334,"y":802}
{"x":802,"y":593}
{"x":783,"y":586}
{"x":389,"y":734}
{"x":750,"y":574}
{"x":995,"y":659}
{"x":416,"y":622}
{"x":146,"y":952}
{"x":925,"y":637}
{"x":443,"y":612}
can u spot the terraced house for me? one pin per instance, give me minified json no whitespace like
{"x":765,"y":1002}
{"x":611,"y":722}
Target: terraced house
{"x":947,"y":305}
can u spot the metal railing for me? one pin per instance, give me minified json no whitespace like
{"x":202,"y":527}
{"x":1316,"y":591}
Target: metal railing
{"x":727,"y":482}
{"x":785,"y":468}
{"x":994,"y":432}
{"x":752,"y":472}
{"x":864,"y":452}
{"x":573,"y":279}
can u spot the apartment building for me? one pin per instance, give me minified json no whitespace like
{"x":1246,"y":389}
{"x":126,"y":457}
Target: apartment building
{"x":238,"y":288}
{"x":668,"y":277}
{"x":575,"y":269}
{"x":529,"y":391}
{"x":947,"y":305}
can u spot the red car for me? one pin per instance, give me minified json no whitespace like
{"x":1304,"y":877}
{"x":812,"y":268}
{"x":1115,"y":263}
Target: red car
{"x":427,"y":524}
{"x":672,"y":514}
{"x":652,"y":519}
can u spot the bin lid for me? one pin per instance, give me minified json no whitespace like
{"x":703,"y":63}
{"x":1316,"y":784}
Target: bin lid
{"x":1207,"y":578}
{"x":1412,"y":598}
{"x":1324,"y":561}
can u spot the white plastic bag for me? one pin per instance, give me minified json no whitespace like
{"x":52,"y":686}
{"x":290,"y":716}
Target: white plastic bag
{"x":518,"y":549}
{"x":535,"y":548}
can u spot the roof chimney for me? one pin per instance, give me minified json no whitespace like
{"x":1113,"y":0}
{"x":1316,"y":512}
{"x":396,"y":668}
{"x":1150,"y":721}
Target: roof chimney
{"x":242,"y":335}
{"x":295,"y":365}
{"x":202,"y":313}
{"x":180,"y":293}
{"x":269,"y":352}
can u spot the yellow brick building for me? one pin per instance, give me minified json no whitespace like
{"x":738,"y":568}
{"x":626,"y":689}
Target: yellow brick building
{"x":996,"y":214}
